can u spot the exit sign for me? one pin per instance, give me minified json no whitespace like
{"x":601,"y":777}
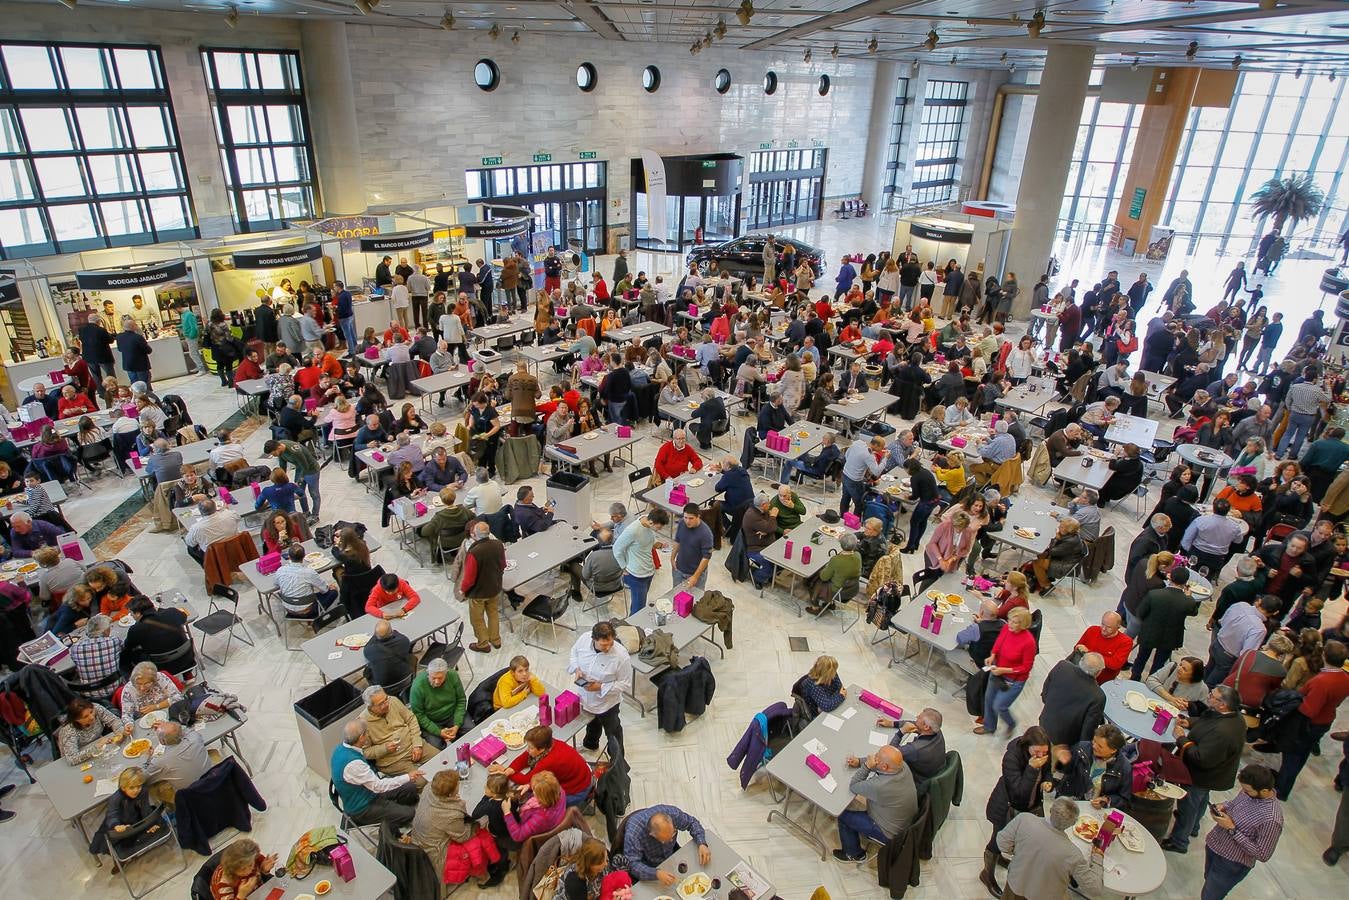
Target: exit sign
{"x":587,"y":154}
{"x":791,"y":144}
{"x":491,"y":160}
{"x":1136,"y":204}
{"x":543,"y":157}
{"x":709,"y":164}
{"x":765,"y":145}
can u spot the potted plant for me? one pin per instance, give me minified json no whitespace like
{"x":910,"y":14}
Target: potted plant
{"x":1294,"y":197}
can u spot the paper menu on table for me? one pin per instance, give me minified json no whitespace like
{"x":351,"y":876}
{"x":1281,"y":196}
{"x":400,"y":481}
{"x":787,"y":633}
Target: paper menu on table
{"x":828,"y":783}
{"x":814,"y":746}
{"x":848,"y":713}
{"x":831,"y":721}
{"x":105,"y":787}
{"x":876,"y":739}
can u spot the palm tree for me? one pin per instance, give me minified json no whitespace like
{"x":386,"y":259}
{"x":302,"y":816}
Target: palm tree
{"x":1295,"y":197}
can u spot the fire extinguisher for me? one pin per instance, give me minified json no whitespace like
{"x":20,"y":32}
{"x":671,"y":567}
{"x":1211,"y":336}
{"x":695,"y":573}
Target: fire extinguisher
{"x":698,"y":235}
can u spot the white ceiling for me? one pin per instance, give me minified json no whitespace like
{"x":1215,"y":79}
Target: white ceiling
{"x":1313,"y":34}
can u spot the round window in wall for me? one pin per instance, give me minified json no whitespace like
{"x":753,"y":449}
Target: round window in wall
{"x":722,"y":83}
{"x":770,"y":82}
{"x":824,"y":85}
{"x":650,"y":79}
{"x":486,"y":75}
{"x":586,"y":77}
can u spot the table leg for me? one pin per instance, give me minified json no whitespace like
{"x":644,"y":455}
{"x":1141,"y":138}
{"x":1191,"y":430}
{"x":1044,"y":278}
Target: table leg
{"x":710,"y":636}
{"x":806,"y":832}
{"x":231,"y":741}
{"x":265,"y":607}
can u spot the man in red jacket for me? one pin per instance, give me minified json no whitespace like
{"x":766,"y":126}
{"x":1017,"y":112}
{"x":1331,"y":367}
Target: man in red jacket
{"x":676,"y":457}
{"x":1109,"y":640}
{"x":543,"y":754}
{"x":1321,"y":698}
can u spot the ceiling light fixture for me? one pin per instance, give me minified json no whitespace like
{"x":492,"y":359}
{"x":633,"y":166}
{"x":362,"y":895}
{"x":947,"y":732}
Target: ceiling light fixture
{"x":1236,"y":61}
{"x":1003,"y":58}
{"x":720,"y":30}
{"x":1297,"y":73}
{"x":953,"y":59}
{"x":365,"y":7}
{"x":1012,"y":68}
{"x":1036,"y":24}
{"x":232,"y":16}
{"x":447,"y":21}
{"x":68,"y":4}
{"x":1191,"y":50}
{"x":494,"y":32}
{"x":913,"y":67}
{"x":515,"y":37}
{"x":745,"y":12}
{"x":805,"y":57}
{"x":873,"y":45}
{"x":834,"y":52}
{"x":1268,"y":4}
{"x":932,"y":39}
{"x":707,"y":40}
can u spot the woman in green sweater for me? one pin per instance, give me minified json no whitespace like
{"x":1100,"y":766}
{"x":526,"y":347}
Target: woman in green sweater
{"x":843,"y":569}
{"x":438,"y":701}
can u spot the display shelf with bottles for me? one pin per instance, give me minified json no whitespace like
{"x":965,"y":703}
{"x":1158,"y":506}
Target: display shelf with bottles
{"x":445,"y":250}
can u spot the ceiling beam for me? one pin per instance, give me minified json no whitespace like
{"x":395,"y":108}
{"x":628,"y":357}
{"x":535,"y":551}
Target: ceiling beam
{"x":857,"y":13}
{"x":594,"y":19}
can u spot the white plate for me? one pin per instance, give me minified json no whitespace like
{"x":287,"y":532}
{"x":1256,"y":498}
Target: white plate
{"x":149,"y":719}
{"x":1136,"y":701}
{"x":1129,"y":838}
{"x":127,"y":620}
{"x":591,"y":435}
{"x":696,"y":482}
{"x":511,"y":564}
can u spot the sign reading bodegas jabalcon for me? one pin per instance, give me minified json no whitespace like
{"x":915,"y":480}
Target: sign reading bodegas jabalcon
{"x":127,"y":279}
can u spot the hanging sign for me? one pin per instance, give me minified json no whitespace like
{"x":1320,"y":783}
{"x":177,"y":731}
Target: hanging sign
{"x":943,"y":235}
{"x":277,"y":258}
{"x":9,"y":289}
{"x":392,"y":243}
{"x":124,"y":279}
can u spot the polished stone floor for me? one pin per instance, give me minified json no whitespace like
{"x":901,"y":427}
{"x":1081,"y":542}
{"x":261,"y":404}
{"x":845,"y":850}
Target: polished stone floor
{"x":43,"y":858}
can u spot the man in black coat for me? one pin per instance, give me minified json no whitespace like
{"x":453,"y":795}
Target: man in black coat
{"x":710,"y":411}
{"x":1209,"y":741}
{"x":1074,"y":702}
{"x":1150,"y":540}
{"x":265,"y":318}
{"x":388,"y":656}
{"x":382,"y":274}
{"x":157,"y":632}
{"x":135,"y":353}
{"x":96,"y":348}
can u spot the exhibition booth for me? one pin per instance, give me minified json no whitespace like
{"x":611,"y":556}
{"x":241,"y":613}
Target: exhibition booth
{"x":969,"y":234}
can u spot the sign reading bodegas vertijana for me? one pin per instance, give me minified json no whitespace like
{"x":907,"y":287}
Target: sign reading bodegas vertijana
{"x":126,"y":279}
{"x":278,"y":258}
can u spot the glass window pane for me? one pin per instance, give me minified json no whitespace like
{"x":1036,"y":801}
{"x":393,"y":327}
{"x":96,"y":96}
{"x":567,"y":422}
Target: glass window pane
{"x":284,"y":122}
{"x":86,"y":68}
{"x":99,"y":128}
{"x":112,"y":174}
{"x":22,"y":226}
{"x":61,"y":176}
{"x":169,"y":212}
{"x":136,"y":68}
{"x":273,"y":75}
{"x":10,"y":141}
{"x":232,"y":71}
{"x":46,"y":128}
{"x":1237,"y":150}
{"x":149,"y":126}
{"x":123,"y":217}
{"x":255,"y":166}
{"x":160,"y":172}
{"x":73,"y":222}
{"x":28,"y":67}
{"x":291,"y":164}
{"x":258,"y":205}
{"x":247,"y":124}
{"x":15,"y":181}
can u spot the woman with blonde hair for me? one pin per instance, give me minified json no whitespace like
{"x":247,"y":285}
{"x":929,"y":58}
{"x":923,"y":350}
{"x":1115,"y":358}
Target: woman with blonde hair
{"x":947,"y":548}
{"x":129,"y":805}
{"x":1015,"y":594}
{"x":242,"y":870}
{"x":543,"y":811}
{"x":950,"y":472}
{"x":934,"y":426}
{"x":1308,"y":658}
{"x":822,"y":689}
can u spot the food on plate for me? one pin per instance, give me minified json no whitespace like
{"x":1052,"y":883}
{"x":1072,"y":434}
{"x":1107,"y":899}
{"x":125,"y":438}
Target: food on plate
{"x":151,"y":718}
{"x":127,"y":621}
{"x":27,"y":567}
{"x":499,"y":728}
{"x":1087,"y":828}
{"x":1130,"y":839}
{"x":513,"y":740}
{"x":591,"y":435}
{"x":323,"y":887}
{"x":696,"y":482}
{"x":1136,"y":701}
{"x":954,"y":599}
{"x":354,"y":641}
{"x":1200,"y":590}
{"x":803,"y":433}
{"x":136,"y":748}
{"x":696,"y":885}
{"x":935,"y":595}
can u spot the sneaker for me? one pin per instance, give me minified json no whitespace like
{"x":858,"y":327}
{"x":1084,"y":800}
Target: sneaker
{"x":7,"y":790}
{"x":7,"y":814}
{"x":843,"y":857}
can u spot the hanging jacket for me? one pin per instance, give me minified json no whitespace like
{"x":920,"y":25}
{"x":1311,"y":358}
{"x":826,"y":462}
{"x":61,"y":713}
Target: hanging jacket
{"x":1039,"y":470}
{"x":613,"y":790}
{"x":717,"y":609}
{"x":752,"y":751}
{"x":46,"y":695}
{"x":681,"y":692}
{"x":414,"y":874}
{"x":943,"y":790}
{"x":1101,"y":556}
{"x":466,"y":860}
{"x":737,"y":563}
{"x":897,"y":866}
{"x":214,"y":802}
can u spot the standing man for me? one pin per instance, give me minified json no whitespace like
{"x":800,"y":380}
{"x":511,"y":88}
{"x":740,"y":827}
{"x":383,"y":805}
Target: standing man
{"x":189,"y":328}
{"x":862,"y":461}
{"x":383,"y":276}
{"x":403,"y":270}
{"x":600,"y":666}
{"x":306,"y":467}
{"x":96,"y":348}
{"x":1269,"y":339}
{"x":346,"y":316}
{"x":633,"y":553}
{"x":267,"y":329}
{"x":770,"y":261}
{"x":692,"y":549}
{"x":484,"y":565}
{"x":552,"y":271}
{"x":135,"y":352}
{"x":1138,"y":293}
{"x":526,"y":279}
{"x":1247,"y":829}
{"x":847,"y":274}
{"x":419,"y":288}
{"x":1305,"y":401}
{"x":1210,"y":744}
{"x":620,"y":266}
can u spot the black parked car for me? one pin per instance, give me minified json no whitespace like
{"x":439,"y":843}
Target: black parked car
{"x":744,"y":255}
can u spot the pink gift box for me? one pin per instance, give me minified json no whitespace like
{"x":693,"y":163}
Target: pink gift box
{"x":981,"y":583}
{"x":625,"y":431}
{"x":256,"y":488}
{"x":130,"y":411}
{"x":376,"y":456}
{"x":311,"y":404}
{"x":890,"y":711}
{"x":487,"y":750}
{"x":566,"y":707}
{"x":851,"y":521}
{"x":683,"y":604}
{"x":817,"y":765}
{"x":870,"y":699}
{"x":679,"y":495}
{"x":771,"y":438}
{"x":135,"y":460}
{"x":71,"y":550}
{"x":226,"y":496}
{"x":269,"y":563}
{"x":693,"y":309}
{"x":343,"y":864}
{"x":1163,"y":721}
{"x":372,"y":353}
{"x":958,"y":441}
{"x":56,"y":375}
{"x":545,"y":711}
{"x":420,"y":508}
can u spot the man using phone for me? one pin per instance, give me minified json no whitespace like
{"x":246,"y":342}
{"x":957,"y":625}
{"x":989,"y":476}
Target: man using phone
{"x":600,"y":666}
{"x":1247,"y":830}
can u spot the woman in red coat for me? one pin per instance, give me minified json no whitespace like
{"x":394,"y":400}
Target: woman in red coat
{"x":543,"y":754}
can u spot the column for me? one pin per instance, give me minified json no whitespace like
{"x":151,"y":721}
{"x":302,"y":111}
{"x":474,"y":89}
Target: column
{"x":878,"y":133}
{"x":332,"y":116}
{"x":1058,"y":110}
{"x":1156,"y":144}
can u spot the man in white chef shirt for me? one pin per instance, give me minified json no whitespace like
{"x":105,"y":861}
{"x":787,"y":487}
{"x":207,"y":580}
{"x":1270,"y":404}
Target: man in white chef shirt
{"x":600,"y":666}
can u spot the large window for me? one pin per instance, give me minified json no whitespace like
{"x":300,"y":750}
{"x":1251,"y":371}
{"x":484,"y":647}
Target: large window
{"x":785,"y":186}
{"x":89,"y":153}
{"x":262,"y":129}
{"x":940,"y":133}
{"x":567,"y":199}
{"x":897,"y":120}
{"x":1105,"y":144}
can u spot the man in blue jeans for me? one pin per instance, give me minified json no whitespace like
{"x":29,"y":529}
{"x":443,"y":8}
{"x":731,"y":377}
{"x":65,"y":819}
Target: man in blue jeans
{"x":1210,"y":744}
{"x":860,"y":463}
{"x":1304,"y":401}
{"x":1246,"y":831}
{"x":883,"y":786}
{"x":306,"y":467}
{"x":346,"y":316}
{"x":633,"y":553}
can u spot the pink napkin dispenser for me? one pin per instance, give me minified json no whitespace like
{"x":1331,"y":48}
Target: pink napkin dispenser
{"x":256,"y":488}
{"x":372,"y":353}
{"x":770,"y":439}
{"x":56,"y":375}
{"x":926,"y":621}
{"x":817,"y":765}
{"x":958,"y":441}
{"x":625,"y":431}
{"x":679,"y":495}
{"x":376,"y":456}
{"x":545,"y":711}
{"x":487,"y":750}
{"x":311,"y":404}
{"x":890,"y":711}
{"x":683,"y":604}
{"x":136,"y":461}
{"x":566,"y":707}
{"x":805,"y":555}
{"x":851,"y":521}
{"x":461,"y":753}
{"x":226,"y":496}
{"x":269,"y":563}
{"x":1163,"y":721}
{"x":787,"y":550}
{"x":130,"y":411}
{"x":71,"y":550}
{"x":869,"y":699}
{"x":342,"y":862}
{"x":420,"y":508}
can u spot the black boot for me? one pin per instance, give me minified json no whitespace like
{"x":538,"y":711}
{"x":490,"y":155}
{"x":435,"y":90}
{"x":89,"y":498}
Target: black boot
{"x":987,"y":877}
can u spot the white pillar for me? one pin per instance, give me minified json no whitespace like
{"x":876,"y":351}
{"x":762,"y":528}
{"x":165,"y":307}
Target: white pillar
{"x":1049,"y":153}
{"x":332,"y":116}
{"x":878,"y":133}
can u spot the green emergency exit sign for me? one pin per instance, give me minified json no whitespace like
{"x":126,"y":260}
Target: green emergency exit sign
{"x":1136,"y":204}
{"x":588,"y":154}
{"x":543,"y":157}
{"x":491,"y":160}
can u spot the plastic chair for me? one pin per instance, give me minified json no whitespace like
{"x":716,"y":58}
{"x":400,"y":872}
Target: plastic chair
{"x":453,"y":653}
{"x":288,"y":618}
{"x":638,"y":477}
{"x":136,"y":848}
{"x":346,"y":823}
{"x":547,"y":611}
{"x":218,"y":619}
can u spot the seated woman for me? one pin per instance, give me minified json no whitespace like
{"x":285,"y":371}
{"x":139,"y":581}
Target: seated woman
{"x":1180,"y":682}
{"x":934,"y":426}
{"x":405,"y":484}
{"x":543,"y":811}
{"x":242,"y":871}
{"x":516,"y":684}
{"x":128,"y":806}
{"x":822,"y":689}
{"x":1096,"y":771}
{"x":148,"y":690}
{"x":89,"y":728}
{"x":946,"y":549}
{"x":958,"y":414}
{"x":842,"y":571}
{"x":279,"y":495}
{"x":10,"y":481}
{"x":339,"y":423}
{"x":1015,"y":593}
{"x":1065,"y":551}
{"x":281,"y":529}
{"x":441,"y":819}
{"x":408,"y":421}
{"x":111,"y":590}
{"x":584,"y":871}
{"x":1126,"y":475}
{"x":437,"y":436}
{"x":76,"y":608}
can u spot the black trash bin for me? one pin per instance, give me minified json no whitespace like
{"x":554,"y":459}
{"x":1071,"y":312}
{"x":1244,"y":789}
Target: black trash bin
{"x":320,"y":717}
{"x":570,"y":494}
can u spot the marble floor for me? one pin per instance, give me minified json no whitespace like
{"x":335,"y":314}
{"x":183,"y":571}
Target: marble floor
{"x":44,"y":855}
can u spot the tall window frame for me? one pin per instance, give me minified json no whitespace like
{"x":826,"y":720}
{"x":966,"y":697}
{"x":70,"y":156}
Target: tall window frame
{"x":1099,"y":167}
{"x":90,"y":156}
{"x":569,"y":199}
{"x":786,"y":186}
{"x":898,"y":119}
{"x":262,"y":130}
{"x":941,"y":131}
